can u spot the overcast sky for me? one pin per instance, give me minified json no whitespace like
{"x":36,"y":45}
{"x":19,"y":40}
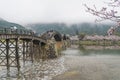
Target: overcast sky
{"x":27,"y":11}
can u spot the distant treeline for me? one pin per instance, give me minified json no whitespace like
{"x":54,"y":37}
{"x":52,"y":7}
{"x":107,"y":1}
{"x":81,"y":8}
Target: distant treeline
{"x":73,"y":29}
{"x":86,"y":28}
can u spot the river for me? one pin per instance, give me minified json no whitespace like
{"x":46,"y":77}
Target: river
{"x":98,"y":63}
{"x":76,"y":63}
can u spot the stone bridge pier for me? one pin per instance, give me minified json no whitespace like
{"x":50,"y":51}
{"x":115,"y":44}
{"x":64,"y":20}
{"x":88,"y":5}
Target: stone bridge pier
{"x":56,"y":42}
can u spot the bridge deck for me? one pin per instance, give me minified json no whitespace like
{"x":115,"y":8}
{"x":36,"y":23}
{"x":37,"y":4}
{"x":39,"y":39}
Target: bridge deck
{"x":23,"y":45}
{"x":7,"y":33}
{"x":21,"y":36}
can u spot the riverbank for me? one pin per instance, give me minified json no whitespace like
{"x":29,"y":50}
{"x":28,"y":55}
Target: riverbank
{"x":90,"y":67}
{"x":99,"y":42}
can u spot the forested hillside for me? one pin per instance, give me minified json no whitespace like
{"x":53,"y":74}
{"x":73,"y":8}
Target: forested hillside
{"x":6,"y":24}
{"x":87,"y":28}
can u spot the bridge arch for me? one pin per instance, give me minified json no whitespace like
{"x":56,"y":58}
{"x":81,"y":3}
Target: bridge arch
{"x":52,"y":34}
{"x":57,"y":36}
{"x":54,"y":43}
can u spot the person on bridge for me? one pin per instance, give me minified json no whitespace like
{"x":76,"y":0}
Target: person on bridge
{"x":13,"y":29}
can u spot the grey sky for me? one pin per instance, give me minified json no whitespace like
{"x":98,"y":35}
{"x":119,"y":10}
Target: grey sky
{"x":26,"y":11}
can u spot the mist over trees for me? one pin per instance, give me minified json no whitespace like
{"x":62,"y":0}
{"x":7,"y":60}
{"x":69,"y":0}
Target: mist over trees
{"x":73,"y":29}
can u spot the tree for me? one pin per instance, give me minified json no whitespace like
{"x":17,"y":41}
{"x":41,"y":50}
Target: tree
{"x":106,"y":13}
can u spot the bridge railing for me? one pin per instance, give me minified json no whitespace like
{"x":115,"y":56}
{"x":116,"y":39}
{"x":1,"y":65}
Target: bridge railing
{"x":16,"y":31}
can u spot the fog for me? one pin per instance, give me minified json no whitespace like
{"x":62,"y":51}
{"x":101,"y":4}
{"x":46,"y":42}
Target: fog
{"x":44,"y":11}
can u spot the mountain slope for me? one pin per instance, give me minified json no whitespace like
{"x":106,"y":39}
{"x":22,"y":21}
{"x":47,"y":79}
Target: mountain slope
{"x":87,"y":28}
{"x":40,"y":28}
{"x":6,"y":24}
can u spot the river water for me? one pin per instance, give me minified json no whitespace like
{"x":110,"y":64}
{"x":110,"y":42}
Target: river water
{"x":91,"y":63}
{"x":76,"y":63}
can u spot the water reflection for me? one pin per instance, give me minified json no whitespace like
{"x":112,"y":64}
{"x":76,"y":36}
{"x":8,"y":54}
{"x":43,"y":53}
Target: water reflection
{"x":91,"y":63}
{"x":92,"y":51}
{"x":99,"y":50}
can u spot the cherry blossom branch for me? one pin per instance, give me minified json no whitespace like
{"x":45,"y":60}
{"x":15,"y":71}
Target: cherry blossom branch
{"x":104,"y":13}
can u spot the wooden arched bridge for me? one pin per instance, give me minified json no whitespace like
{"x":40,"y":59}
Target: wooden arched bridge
{"x":16,"y":45}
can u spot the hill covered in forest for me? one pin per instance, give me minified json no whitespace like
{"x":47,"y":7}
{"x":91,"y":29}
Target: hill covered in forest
{"x":6,"y":24}
{"x":87,"y":28}
{"x":72,"y":29}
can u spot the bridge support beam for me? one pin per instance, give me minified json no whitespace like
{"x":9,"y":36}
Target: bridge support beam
{"x":17,"y":54}
{"x":7,"y":54}
{"x":39,"y":48}
{"x":23,"y":52}
{"x":26,"y":49}
{"x":17,"y":45}
{"x":31,"y":51}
